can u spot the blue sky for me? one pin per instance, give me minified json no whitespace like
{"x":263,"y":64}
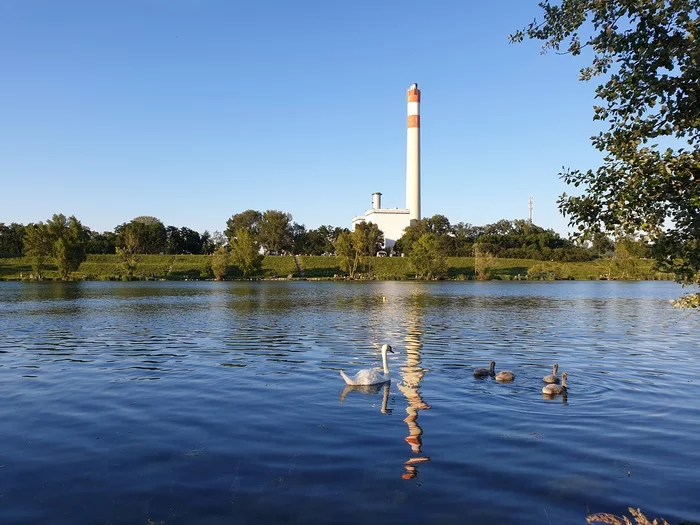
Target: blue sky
{"x":193,"y":110}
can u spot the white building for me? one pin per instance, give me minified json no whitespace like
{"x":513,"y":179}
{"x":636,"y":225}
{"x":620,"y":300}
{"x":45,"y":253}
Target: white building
{"x":392,"y":222}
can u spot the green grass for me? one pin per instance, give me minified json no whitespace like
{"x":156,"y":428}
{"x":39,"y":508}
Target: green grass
{"x":179,"y":267}
{"x":278,"y":266}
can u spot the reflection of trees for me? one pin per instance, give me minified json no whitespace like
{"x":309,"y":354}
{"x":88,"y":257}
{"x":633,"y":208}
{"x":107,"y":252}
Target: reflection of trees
{"x":412,"y":374}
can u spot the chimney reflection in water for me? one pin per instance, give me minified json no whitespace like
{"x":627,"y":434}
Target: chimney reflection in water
{"x":412,"y":375}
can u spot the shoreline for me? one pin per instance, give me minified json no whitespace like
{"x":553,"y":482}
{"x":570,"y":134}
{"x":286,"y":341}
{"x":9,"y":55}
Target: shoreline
{"x":327,"y":268}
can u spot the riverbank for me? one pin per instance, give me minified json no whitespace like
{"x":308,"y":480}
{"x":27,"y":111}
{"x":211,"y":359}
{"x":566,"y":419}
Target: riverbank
{"x":198,"y":267}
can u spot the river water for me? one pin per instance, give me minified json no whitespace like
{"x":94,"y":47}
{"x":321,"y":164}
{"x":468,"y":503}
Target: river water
{"x":208,"y":403}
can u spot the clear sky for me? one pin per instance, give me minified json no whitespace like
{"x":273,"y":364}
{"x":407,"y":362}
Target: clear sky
{"x":194,"y":110}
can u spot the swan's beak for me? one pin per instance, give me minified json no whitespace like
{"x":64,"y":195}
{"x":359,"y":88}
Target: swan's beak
{"x":390,"y":350}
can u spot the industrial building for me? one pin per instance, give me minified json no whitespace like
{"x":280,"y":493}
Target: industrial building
{"x":392,"y":222}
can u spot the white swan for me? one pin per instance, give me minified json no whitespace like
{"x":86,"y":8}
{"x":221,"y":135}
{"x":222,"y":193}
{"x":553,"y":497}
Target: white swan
{"x":370,"y":376}
{"x":552,"y":378}
{"x":553,"y":390}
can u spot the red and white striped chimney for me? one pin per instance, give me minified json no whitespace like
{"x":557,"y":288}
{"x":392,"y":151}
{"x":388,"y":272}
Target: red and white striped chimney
{"x":413,"y":153}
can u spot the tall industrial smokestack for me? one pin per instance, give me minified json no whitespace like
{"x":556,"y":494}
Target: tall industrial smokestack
{"x":413,"y":153}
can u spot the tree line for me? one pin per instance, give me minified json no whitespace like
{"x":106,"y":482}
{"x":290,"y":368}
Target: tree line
{"x":251,"y":234}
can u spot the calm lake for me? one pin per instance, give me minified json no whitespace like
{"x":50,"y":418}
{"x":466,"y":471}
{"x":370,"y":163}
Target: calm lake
{"x":212,"y":403}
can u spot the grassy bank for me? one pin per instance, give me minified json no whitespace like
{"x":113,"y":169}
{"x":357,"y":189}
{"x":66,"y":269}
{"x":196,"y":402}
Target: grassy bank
{"x":180,"y":267}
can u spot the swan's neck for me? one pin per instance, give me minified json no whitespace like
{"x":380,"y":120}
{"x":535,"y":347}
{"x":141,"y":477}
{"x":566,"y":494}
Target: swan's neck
{"x":385,"y":363}
{"x":563,"y":383}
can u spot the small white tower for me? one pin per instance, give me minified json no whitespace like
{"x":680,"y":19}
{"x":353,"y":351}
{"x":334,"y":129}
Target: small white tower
{"x":532,"y":207}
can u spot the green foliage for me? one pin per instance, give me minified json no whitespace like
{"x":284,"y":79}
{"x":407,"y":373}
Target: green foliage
{"x":601,"y":244}
{"x":129,"y":262}
{"x":11,"y":239}
{"x":207,"y":243}
{"x":427,"y":258}
{"x":207,"y":270}
{"x":347,"y":254}
{"x":547,"y":271}
{"x":367,"y":240}
{"x":518,"y":239}
{"x":438,"y":225}
{"x":182,"y":241}
{"x":168,"y":267}
{"x":275,"y":231}
{"x":130,"y":246}
{"x":247,"y":220}
{"x":245,"y":253}
{"x":145,"y":235}
{"x":219,"y":263}
{"x":37,"y":247}
{"x":647,"y":52}
{"x":68,"y":241}
{"x":101,"y":243}
{"x":279,"y":266}
{"x":483,"y":262}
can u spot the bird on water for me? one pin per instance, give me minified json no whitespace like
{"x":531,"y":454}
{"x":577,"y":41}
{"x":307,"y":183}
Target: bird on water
{"x":552,"y":378}
{"x":505,"y":376}
{"x":371,"y":376}
{"x":485,"y":372}
{"x":553,"y":390}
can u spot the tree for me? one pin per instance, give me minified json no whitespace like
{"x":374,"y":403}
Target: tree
{"x":218,"y":239}
{"x":101,"y":243}
{"x":128,"y":251}
{"x":601,"y":244}
{"x":346,"y":251}
{"x":483,"y":261}
{"x":37,"y":246}
{"x":68,"y":241}
{"x":11,"y":239}
{"x":191,"y":240}
{"x":647,"y":52}
{"x":247,"y":220}
{"x":300,"y":239}
{"x":626,"y":261}
{"x":207,"y":243}
{"x":367,"y":239}
{"x":174,"y":241}
{"x":148,"y":220}
{"x":245,"y":252}
{"x":437,"y":224}
{"x":329,"y":235}
{"x":219,"y":263}
{"x":427,"y":258}
{"x":275,"y":231}
{"x":150,"y":233}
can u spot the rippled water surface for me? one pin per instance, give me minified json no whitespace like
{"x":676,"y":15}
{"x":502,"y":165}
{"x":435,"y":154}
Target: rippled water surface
{"x":208,"y":403}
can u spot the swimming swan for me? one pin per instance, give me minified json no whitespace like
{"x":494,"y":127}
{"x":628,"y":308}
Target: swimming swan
{"x":553,"y":390}
{"x":484,"y":372}
{"x":505,"y":376}
{"x":552,"y":378}
{"x":370,"y":376}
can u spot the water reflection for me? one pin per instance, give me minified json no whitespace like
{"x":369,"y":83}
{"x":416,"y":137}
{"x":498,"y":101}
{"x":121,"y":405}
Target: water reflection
{"x":412,"y":374}
{"x":563,"y":397}
{"x":370,"y":390}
